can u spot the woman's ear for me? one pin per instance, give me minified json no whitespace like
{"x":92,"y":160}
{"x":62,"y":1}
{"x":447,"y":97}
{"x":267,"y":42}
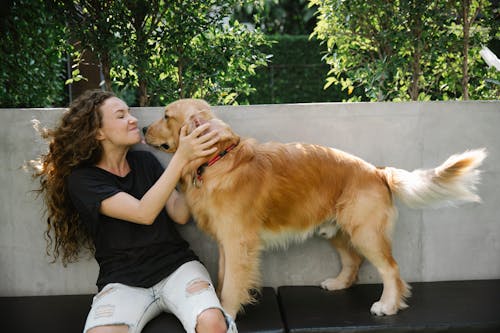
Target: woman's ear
{"x":100,"y":135}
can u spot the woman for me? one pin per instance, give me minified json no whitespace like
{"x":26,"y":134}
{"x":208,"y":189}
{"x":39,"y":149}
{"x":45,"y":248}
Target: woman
{"x":121,"y":204}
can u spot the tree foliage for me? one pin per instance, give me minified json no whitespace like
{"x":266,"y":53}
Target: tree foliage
{"x":151,"y":52}
{"x":164,"y":50}
{"x":407,"y":49}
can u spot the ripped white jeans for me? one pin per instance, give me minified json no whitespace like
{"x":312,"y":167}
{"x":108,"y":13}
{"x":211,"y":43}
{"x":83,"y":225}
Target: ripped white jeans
{"x":186,"y":293}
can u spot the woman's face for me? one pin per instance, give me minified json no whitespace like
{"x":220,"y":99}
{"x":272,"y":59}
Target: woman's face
{"x":119,"y":127}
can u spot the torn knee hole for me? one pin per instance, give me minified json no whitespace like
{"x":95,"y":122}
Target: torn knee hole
{"x":103,"y":311}
{"x":197,"y":286}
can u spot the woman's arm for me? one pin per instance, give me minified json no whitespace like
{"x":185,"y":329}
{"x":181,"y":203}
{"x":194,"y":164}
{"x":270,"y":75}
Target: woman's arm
{"x":144,"y":211}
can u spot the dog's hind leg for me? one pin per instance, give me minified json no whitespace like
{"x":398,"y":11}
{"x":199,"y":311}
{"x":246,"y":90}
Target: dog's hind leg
{"x":368,"y":222}
{"x":372,"y":240}
{"x":377,"y":249}
{"x":350,"y":261}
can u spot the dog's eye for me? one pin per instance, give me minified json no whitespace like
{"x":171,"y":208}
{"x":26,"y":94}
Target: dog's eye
{"x":166,"y":116}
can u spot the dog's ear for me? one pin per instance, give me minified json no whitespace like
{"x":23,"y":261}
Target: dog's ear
{"x":225,"y":133}
{"x":198,"y":118}
{"x":204,"y":115}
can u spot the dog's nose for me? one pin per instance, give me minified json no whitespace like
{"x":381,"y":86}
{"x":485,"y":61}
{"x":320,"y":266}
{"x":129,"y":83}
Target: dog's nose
{"x":144,"y":129}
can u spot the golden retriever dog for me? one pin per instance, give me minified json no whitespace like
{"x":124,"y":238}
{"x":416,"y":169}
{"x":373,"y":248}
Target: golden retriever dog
{"x":250,"y":195}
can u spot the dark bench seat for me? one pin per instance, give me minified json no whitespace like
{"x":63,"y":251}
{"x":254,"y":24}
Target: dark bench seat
{"x":67,"y":314}
{"x":459,"y":306}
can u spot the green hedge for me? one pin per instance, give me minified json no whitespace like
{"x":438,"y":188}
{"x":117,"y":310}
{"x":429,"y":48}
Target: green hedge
{"x":295,"y":74}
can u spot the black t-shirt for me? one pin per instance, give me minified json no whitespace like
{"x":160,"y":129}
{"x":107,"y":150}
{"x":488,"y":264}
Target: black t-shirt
{"x":129,"y":253}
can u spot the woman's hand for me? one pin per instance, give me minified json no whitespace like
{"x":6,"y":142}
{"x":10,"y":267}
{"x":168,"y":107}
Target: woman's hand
{"x":197,"y":144}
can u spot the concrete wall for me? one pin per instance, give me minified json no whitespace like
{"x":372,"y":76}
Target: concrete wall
{"x":444,"y":244}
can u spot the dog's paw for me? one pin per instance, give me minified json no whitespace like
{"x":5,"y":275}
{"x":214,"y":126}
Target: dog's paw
{"x":334,"y":284}
{"x":382,"y":309}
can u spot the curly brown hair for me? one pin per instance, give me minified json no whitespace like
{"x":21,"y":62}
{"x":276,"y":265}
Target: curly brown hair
{"x":72,"y":143}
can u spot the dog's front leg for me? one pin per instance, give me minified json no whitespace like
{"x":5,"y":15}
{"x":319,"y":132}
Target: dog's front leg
{"x":241,"y":273}
{"x":222,"y":267}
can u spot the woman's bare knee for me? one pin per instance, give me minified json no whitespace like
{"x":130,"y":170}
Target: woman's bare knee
{"x":211,"y":321}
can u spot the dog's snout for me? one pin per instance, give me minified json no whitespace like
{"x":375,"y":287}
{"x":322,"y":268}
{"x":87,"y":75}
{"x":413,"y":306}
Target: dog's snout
{"x":144,"y":129}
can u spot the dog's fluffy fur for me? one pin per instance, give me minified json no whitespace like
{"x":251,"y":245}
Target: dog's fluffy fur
{"x":262,"y":194}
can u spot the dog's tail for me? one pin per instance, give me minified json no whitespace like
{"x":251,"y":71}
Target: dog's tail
{"x":452,"y":182}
